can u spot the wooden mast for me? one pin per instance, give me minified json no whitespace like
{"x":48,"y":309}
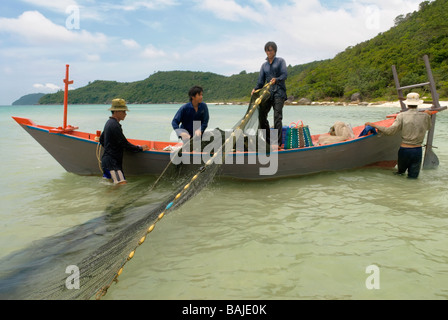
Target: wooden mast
{"x":67,"y":82}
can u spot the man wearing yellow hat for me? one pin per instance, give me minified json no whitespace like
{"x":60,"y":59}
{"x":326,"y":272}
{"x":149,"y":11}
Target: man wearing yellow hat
{"x":413,"y":126}
{"x":114,"y":143}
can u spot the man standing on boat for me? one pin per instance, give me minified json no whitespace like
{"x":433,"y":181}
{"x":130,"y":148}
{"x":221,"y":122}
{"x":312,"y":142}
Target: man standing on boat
{"x":273,"y":71}
{"x":413,"y":126}
{"x":192,"y":118}
{"x":114,"y":143}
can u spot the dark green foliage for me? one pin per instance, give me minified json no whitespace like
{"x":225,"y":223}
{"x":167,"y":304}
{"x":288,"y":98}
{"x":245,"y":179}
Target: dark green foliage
{"x":364,"y":69}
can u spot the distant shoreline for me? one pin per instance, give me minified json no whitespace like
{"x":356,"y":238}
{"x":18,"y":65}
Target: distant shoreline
{"x":394,"y":104}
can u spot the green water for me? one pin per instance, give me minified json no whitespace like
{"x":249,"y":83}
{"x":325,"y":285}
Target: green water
{"x":301,"y":238}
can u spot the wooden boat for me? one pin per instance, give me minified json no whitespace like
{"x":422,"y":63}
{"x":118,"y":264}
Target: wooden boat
{"x":76,"y":152}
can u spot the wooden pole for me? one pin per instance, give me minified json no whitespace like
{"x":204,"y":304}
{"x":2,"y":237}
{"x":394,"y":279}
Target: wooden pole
{"x":67,"y":82}
{"x":432,"y":83}
{"x":430,"y":160}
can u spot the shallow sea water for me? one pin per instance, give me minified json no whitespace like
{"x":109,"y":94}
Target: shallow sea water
{"x":307,"y":237}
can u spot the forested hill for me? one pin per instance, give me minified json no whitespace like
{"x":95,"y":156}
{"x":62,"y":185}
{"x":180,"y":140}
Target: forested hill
{"x":367,"y":67}
{"x":364,"y":68}
{"x":28,"y":99}
{"x":161,"y":87}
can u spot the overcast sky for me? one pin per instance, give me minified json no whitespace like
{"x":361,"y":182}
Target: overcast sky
{"x":128,"y":40}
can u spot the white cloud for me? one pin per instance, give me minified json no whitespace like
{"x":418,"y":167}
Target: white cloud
{"x":151,"y":52}
{"x":132,"y":5}
{"x":306,"y":31}
{"x":46,"y":87}
{"x":262,"y":4}
{"x":230,"y":10}
{"x":93,"y":57}
{"x":130,"y":43}
{"x":58,"y":6}
{"x":34,"y":28}
{"x":155,"y":25}
{"x":243,"y":54}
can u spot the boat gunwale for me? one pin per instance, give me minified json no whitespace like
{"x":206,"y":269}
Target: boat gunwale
{"x":31,"y":125}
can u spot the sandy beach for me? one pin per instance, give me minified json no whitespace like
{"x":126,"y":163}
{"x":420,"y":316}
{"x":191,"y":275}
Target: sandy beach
{"x":382,"y":104}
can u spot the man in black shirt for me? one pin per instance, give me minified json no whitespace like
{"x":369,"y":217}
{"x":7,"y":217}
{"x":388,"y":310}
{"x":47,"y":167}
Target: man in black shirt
{"x":114,"y":143}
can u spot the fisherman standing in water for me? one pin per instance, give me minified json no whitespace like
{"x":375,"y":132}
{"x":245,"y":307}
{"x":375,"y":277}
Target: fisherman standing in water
{"x":114,"y":143}
{"x":413,"y":126}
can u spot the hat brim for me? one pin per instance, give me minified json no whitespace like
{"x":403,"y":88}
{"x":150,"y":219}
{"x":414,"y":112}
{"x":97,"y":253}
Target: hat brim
{"x":119,"y":109}
{"x":413,"y":102}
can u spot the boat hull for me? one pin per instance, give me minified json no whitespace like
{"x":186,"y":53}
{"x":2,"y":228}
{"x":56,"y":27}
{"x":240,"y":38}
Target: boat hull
{"x":77,"y":152}
{"x":346,"y":155}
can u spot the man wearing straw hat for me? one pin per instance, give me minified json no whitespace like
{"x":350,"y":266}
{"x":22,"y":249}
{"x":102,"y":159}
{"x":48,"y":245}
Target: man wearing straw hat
{"x":413,"y":126}
{"x":114,"y":143}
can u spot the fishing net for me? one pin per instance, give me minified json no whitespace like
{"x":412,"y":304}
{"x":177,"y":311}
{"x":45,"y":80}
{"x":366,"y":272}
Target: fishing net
{"x":52,"y":268}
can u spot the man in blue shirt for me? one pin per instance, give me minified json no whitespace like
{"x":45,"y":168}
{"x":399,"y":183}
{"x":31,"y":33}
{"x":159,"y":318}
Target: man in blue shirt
{"x":275,"y":72}
{"x":195,"y":110}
